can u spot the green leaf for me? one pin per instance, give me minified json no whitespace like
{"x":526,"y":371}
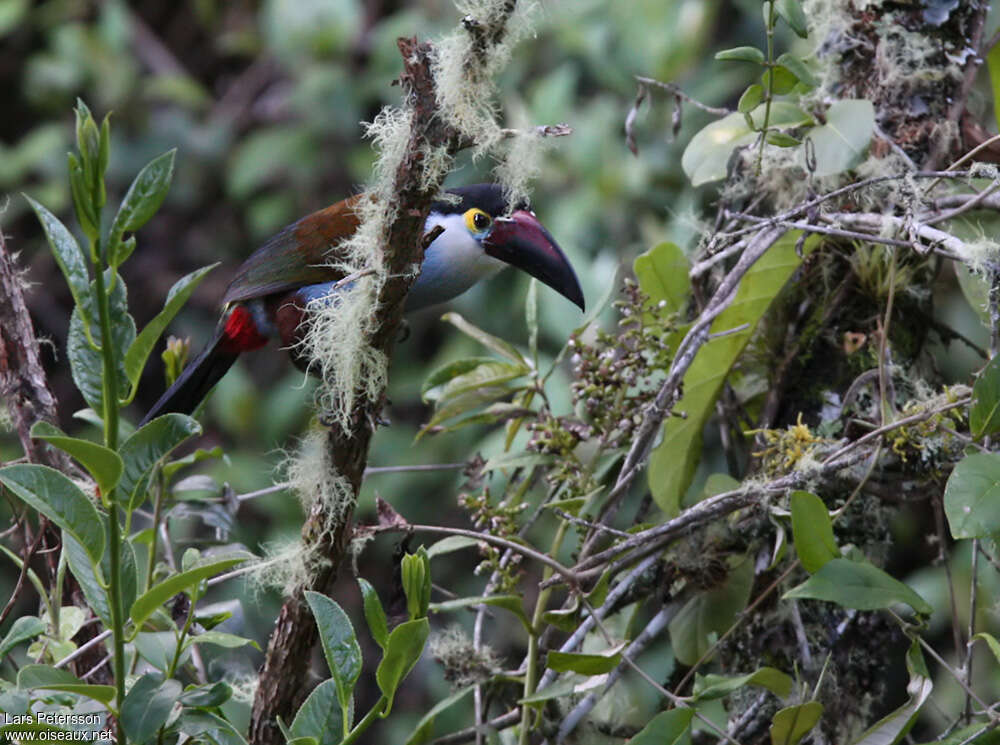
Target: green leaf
{"x":102,"y":463}
{"x":812,"y":531}
{"x":378,"y":625}
{"x":795,"y":17}
{"x":91,"y":583}
{"x":450,"y":544}
{"x":742,"y":54}
{"x":144,"y":196}
{"x":498,"y":345}
{"x":710,"y":613}
{"x":666,"y":728}
{"x":972,"y":496}
{"x":893,"y":727}
{"x":584,"y":664}
{"x":340,"y":645}
{"x":157,"y":595}
{"x":662,"y":272}
{"x":793,"y":723}
{"x":23,"y":629}
{"x":67,"y":253}
{"x":751,"y":98}
{"x":707,"y":154}
{"x":219,"y":639}
{"x":484,"y":375}
{"x":993,"y":65}
{"x":138,"y":352}
{"x":781,"y":80}
{"x":205,"y":726}
{"x":86,"y":362}
{"x":465,"y":402}
{"x":207,"y":696}
{"x":858,"y":585}
{"x":780,"y":139}
{"x":512,"y":603}
{"x":990,"y":640}
{"x":714,"y":686}
{"x":841,"y":143}
{"x":405,"y":645}
{"x":450,"y":370}
{"x":798,"y":68}
{"x":424,"y":730}
{"x":321,"y":716}
{"x":50,"y":492}
{"x":147,"y":706}
{"x":31,"y":677}
{"x":146,"y":447}
{"x":673,"y":461}
{"x":984,"y":414}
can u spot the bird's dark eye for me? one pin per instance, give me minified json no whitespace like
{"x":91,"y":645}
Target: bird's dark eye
{"x":477,"y":220}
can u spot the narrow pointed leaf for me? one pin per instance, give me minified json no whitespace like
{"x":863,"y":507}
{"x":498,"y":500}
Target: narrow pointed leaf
{"x":31,"y":677}
{"x":66,"y":251}
{"x":378,"y":625}
{"x":138,"y":352}
{"x":405,"y":645}
{"x":498,"y":345}
{"x":149,"y":601}
{"x":340,"y":644}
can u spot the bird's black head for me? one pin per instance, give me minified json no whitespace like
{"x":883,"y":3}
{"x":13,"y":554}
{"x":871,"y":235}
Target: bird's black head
{"x":513,"y":235}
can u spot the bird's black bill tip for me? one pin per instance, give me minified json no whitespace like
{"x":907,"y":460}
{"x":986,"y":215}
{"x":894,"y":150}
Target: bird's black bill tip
{"x":522,"y":241}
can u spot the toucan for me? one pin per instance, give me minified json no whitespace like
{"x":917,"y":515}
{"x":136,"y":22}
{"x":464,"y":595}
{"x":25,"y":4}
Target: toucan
{"x":268,"y":296}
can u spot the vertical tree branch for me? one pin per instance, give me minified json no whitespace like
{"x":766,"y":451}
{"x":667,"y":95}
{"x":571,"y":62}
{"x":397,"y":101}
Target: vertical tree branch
{"x":279,"y":691}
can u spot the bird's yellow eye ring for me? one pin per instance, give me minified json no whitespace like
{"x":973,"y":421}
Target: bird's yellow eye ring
{"x":477,"y":221}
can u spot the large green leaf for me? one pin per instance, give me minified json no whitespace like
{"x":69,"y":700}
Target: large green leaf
{"x":52,"y":493}
{"x":147,"y":706}
{"x":87,"y":363}
{"x":972,"y":496}
{"x":146,"y":447}
{"x":709,"y":613}
{"x":91,"y":583}
{"x":984,"y":414}
{"x":321,"y":716}
{"x":23,"y":629}
{"x":662,"y":272}
{"x":666,"y":728}
{"x":138,"y":352}
{"x":707,"y":154}
{"x":840,"y":144}
{"x":812,"y":531}
{"x":672,"y":462}
{"x":104,"y":464}
{"x":403,"y":649}
{"x":791,"y":724}
{"x":584,"y":663}
{"x":340,"y":645}
{"x":858,"y":585}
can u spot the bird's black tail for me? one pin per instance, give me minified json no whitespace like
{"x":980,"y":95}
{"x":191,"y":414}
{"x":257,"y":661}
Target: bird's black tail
{"x":197,"y":379}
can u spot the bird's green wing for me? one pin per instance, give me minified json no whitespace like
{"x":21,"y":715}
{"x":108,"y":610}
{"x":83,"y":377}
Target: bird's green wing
{"x":298,"y":256}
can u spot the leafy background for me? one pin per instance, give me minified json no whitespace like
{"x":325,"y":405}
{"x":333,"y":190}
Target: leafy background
{"x":263,"y":101}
